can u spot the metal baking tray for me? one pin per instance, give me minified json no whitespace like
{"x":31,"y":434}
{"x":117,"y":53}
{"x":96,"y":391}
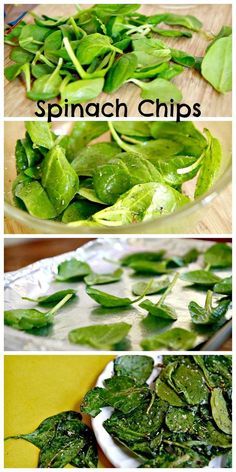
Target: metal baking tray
{"x":38,"y":279}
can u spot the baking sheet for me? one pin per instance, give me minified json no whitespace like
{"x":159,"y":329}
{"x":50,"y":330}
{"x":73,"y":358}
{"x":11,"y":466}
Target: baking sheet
{"x":38,"y":279}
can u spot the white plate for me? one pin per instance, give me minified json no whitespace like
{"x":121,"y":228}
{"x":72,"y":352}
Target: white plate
{"x":118,"y":455}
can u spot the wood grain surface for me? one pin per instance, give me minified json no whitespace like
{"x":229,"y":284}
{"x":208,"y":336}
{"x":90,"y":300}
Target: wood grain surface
{"x":195,"y":89}
{"x":19,"y":255}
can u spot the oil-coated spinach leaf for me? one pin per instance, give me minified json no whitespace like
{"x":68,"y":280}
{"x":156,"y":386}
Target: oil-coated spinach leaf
{"x":156,"y":286}
{"x":208,"y":314}
{"x":173,"y":339}
{"x":161,"y":309}
{"x":72,"y":269}
{"x":219,"y":256}
{"x":104,"y":336}
{"x":50,"y":300}
{"x":97,"y":279}
{"x":201,"y":277}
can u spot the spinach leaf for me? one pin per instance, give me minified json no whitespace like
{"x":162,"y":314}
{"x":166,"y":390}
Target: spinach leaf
{"x":188,"y":21}
{"x":220,"y":412}
{"x":97,"y":279}
{"x":165,"y":392}
{"x":179,"y":420}
{"x":72,"y":269}
{"x":82,"y":90}
{"x":216,"y":66}
{"x":120,"y":174}
{"x":63,"y":439}
{"x":141,"y":203}
{"x":218,"y":256}
{"x":122,"y":70}
{"x":208,"y":315}
{"x":104,"y":336}
{"x":210,"y":166}
{"x":150,"y":267}
{"x":156,"y":286}
{"x":121,"y":392}
{"x":50,"y":300}
{"x":59,"y":179}
{"x":154,"y":256}
{"x":160,"y":309}
{"x":137,"y":367}
{"x":158,"y":89}
{"x":173,"y":339}
{"x":26,"y":319}
{"x":47,"y":86}
{"x":110,"y":301}
{"x":224,"y":286}
{"x":79,"y":210}
{"x":81,"y":134}
{"x":40,"y":134}
{"x":190,"y":382}
{"x":88,"y":159}
{"x":200,"y":277}
{"x":35,"y":199}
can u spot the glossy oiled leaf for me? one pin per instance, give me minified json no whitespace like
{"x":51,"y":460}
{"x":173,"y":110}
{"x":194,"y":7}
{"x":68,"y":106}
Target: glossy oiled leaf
{"x":219,"y":255}
{"x":174,"y":339}
{"x":142,"y":203}
{"x":27,"y":319}
{"x":208,"y":314}
{"x":89,"y":158}
{"x":179,"y":420}
{"x":104,"y":336}
{"x":156,"y":286}
{"x":190,"y":382}
{"x":35,"y":199}
{"x":134,"y":257}
{"x":224,"y":286}
{"x":108,"y":300}
{"x":161,"y":309}
{"x":97,"y":279}
{"x":55,"y":297}
{"x":72,"y":269}
{"x":200,"y":277}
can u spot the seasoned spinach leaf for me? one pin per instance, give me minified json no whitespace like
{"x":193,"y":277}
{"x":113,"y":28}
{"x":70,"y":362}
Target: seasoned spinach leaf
{"x":218,"y":256}
{"x":108,"y":300}
{"x":137,"y":367}
{"x":161,"y":309}
{"x":224,"y":286}
{"x":201,"y":277}
{"x":154,"y":256}
{"x":63,"y":439}
{"x":97,"y":279}
{"x":156,"y":286}
{"x":49,"y":300}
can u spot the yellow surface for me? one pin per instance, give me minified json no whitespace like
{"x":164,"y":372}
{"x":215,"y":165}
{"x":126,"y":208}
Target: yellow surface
{"x":40,"y":386}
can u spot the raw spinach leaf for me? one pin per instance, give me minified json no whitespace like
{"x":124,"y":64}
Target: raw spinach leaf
{"x":210,"y":167}
{"x":97,"y":279}
{"x":110,"y":301}
{"x":79,"y":210}
{"x":224,"y":286}
{"x":156,"y":286}
{"x":208,"y":314}
{"x":142,"y":203}
{"x":50,"y":300}
{"x":26,"y":319}
{"x":200,"y":277}
{"x":174,"y":339}
{"x":218,"y":256}
{"x":59,"y":179}
{"x":88,"y":159}
{"x":160,"y":309}
{"x":35,"y":199}
{"x":158,"y":89}
{"x":104,"y":336}
{"x":122,"y":70}
{"x":40,"y":134}
{"x":155,"y":256}
{"x":72,"y":269}
{"x":216,"y":66}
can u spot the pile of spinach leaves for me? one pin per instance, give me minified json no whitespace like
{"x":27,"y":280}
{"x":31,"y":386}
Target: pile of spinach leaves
{"x":182,"y":419}
{"x":138,"y":173}
{"x":157,"y":274}
{"x":102,"y":47}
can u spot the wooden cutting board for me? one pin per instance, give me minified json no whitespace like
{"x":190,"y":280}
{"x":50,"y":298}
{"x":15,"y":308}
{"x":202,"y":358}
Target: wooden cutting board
{"x":195,"y":89}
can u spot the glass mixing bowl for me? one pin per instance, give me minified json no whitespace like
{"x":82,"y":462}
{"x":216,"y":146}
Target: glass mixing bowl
{"x":182,"y":221}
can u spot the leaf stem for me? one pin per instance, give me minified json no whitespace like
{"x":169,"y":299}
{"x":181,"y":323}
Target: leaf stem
{"x":74,"y":59}
{"x":60,"y":304}
{"x":168,"y":290}
{"x":117,"y":138}
{"x":208,"y":301}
